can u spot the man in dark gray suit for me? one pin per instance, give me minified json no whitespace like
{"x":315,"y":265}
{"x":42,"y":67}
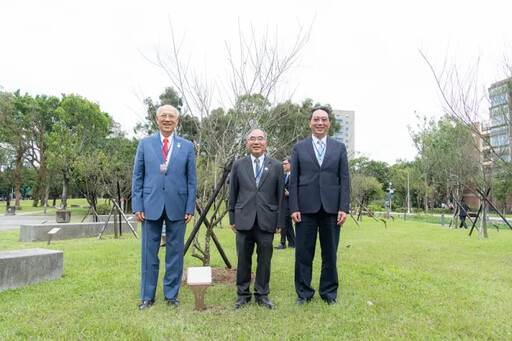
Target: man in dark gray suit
{"x":256,"y":194}
{"x":319,"y":202}
{"x":287,"y":232}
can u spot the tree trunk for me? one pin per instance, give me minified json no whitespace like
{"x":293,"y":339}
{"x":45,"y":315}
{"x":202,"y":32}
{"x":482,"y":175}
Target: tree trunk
{"x":46,"y":195}
{"x":65,"y":184}
{"x":40,"y":184}
{"x":484,"y":220}
{"x":17,"y":175}
{"x":426,"y":202}
{"x":207,"y":240}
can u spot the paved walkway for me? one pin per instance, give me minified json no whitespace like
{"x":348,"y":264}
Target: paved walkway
{"x":13,"y":222}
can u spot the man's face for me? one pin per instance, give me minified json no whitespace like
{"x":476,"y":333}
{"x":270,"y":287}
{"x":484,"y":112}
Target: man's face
{"x":167,"y":121}
{"x":256,"y":143}
{"x":319,"y":123}
{"x":286,"y":166}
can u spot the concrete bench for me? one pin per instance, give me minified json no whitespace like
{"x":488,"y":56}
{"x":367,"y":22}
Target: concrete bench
{"x":39,"y":232}
{"x":131,"y":218}
{"x":24,"y":267}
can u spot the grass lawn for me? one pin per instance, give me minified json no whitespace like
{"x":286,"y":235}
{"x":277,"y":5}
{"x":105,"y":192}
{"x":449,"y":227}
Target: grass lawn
{"x":409,"y":281}
{"x":77,"y":213}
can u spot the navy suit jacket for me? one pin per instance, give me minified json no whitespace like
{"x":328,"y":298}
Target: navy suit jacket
{"x":175,"y":189}
{"x":313,"y":186}
{"x":246,"y":201}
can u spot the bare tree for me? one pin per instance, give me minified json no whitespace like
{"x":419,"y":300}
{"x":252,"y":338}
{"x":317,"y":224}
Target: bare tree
{"x":466,"y":101}
{"x":248,"y":96}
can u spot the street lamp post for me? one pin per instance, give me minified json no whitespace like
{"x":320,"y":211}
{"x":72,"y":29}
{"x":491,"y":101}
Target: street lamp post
{"x":408,"y":196}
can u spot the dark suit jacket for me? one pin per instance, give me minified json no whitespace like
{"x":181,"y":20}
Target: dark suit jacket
{"x":464,"y":210}
{"x":246,"y":202}
{"x":287,"y":198}
{"x":312,"y":185}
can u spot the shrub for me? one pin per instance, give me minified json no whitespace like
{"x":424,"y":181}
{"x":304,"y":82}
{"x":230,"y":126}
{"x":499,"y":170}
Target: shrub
{"x":103,"y":209}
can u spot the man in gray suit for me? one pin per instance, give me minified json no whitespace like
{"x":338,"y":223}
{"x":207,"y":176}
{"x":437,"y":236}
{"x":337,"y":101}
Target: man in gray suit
{"x":256,"y":194}
{"x":319,"y":202}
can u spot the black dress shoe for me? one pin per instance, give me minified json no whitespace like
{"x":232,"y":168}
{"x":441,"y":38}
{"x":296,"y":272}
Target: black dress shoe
{"x":302,"y":301}
{"x":266,"y":303}
{"x":330,"y":301}
{"x":146,"y":304}
{"x":173,"y":302}
{"x":241,"y":302}
{"x":280,"y":246}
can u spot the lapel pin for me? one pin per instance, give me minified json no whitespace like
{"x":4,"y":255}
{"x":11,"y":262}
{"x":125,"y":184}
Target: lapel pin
{"x":179,"y":145}
{"x":266,"y":168}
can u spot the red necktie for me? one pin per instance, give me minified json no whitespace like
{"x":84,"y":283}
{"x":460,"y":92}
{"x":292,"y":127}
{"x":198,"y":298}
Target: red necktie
{"x":166,"y":149}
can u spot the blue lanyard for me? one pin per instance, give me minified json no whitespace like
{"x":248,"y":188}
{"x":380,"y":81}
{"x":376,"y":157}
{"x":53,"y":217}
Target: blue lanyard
{"x":169,"y":149}
{"x":317,"y":151}
{"x":261,"y":168}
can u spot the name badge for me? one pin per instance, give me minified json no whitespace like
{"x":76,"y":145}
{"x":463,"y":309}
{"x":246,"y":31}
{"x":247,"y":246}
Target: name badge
{"x":162,"y":168}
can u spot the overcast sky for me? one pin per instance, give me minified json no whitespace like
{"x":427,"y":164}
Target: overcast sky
{"x":361,"y":56}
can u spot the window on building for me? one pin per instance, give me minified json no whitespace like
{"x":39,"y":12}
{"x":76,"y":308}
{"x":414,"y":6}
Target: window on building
{"x":499,"y":140}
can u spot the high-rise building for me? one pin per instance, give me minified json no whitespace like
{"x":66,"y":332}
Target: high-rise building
{"x":500,"y":114}
{"x":346,"y":134}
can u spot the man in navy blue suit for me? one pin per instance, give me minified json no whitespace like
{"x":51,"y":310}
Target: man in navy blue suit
{"x":163,"y":190}
{"x":319,"y":202}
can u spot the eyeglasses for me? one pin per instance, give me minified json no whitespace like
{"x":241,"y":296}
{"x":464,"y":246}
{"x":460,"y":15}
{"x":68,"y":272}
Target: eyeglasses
{"x":169,"y":116}
{"x":254,"y":139}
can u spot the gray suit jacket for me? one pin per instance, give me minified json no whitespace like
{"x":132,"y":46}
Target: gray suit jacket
{"x":248,"y":202}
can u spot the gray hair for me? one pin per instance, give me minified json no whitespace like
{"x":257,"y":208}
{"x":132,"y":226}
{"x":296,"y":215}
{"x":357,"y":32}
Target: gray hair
{"x":167,"y":106}
{"x":253,"y":129}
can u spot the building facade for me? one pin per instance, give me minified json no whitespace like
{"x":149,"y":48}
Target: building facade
{"x":500,"y":118}
{"x":346,"y":133}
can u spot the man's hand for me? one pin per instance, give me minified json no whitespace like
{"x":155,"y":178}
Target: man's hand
{"x":233,"y":228}
{"x":187,"y":218}
{"x":139,"y":216}
{"x":278,"y":230}
{"x":341,"y":218}
{"x":296,"y":217}
{"x":286,"y":192}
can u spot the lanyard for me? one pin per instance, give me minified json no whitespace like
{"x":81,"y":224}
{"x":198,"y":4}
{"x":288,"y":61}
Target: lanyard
{"x":261,"y":168}
{"x":171,"y":142}
{"x":317,"y":151}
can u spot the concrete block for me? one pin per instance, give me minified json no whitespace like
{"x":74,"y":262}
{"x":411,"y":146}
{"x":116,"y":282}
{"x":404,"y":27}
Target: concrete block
{"x":24,"y":267}
{"x":62,"y":216}
{"x":39,"y":232}
{"x":131,"y":218}
{"x":11,"y":210}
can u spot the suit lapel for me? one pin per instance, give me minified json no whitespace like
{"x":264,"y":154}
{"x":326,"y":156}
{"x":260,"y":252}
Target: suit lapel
{"x":264,"y":171}
{"x":250,"y":170}
{"x":157,"y":147}
{"x":311,"y":150}
{"x":330,"y":150}
{"x":176,"y":148}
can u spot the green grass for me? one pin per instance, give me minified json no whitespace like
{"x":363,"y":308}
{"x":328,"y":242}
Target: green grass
{"x":77,"y":213}
{"x":425,"y":282}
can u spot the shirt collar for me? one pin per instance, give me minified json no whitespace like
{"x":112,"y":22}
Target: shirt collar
{"x":253,"y":158}
{"x":169,"y":138}
{"x":315,"y":140}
